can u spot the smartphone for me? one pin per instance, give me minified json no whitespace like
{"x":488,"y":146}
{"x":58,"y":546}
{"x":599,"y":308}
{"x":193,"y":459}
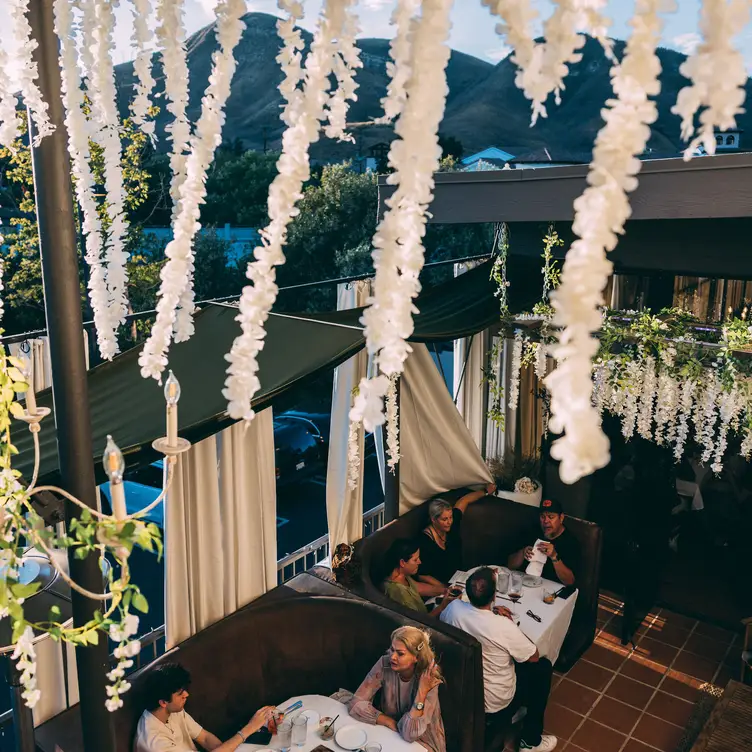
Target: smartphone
{"x":566,"y":591}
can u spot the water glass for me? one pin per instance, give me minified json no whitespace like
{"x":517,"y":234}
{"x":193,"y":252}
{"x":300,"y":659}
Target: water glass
{"x":299,"y":730}
{"x":502,"y":583}
{"x":372,"y":747}
{"x":284,"y":736}
{"x":515,"y":588}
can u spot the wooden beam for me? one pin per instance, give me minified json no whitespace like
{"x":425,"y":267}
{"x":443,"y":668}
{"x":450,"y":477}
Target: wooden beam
{"x":704,"y":188}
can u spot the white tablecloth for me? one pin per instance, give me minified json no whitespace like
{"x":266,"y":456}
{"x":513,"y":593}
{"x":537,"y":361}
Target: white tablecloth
{"x":389,"y":740}
{"x":548,"y":634}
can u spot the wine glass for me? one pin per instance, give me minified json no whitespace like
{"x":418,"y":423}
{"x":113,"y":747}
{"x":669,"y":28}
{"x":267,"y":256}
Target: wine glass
{"x":515,"y":589}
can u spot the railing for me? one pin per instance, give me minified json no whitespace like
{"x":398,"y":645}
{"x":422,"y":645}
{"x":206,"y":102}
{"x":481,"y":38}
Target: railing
{"x":318,"y":550}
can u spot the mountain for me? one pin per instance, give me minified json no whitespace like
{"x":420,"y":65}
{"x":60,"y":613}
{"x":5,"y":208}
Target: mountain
{"x":484,"y":107}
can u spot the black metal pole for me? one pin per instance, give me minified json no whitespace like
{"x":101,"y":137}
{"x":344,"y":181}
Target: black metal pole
{"x":392,"y":479}
{"x":62,"y":296}
{"x":23,"y":718}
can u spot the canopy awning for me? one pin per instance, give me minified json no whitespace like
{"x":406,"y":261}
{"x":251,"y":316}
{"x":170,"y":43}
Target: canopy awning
{"x":298,"y":346}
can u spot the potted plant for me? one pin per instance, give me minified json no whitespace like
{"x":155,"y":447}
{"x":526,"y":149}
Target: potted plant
{"x":517,"y":479}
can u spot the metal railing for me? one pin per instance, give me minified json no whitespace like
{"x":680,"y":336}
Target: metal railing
{"x":318,"y":550}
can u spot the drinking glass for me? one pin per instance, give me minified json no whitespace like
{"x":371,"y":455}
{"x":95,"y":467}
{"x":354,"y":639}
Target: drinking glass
{"x":515,"y":589}
{"x":299,"y":730}
{"x":502,"y":583}
{"x":372,"y":747}
{"x":284,"y":735}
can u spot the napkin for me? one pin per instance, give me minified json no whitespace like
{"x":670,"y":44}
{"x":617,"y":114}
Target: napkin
{"x":536,"y":564}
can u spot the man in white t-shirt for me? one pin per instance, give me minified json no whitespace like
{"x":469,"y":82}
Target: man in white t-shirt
{"x":166,"y":727}
{"x":514,"y":675}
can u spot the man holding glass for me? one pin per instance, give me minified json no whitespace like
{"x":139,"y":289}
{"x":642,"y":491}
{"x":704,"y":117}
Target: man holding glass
{"x":166,"y":727}
{"x":514,"y":675}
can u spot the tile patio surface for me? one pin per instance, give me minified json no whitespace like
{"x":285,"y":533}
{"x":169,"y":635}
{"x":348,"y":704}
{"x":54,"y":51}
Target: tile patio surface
{"x":625,"y":699}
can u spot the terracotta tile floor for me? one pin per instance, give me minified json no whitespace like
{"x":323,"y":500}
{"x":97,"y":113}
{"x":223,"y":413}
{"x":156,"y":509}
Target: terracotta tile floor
{"x":639,"y":699}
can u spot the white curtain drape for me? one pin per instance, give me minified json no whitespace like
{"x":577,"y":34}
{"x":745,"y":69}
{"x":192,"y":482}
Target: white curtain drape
{"x":344,"y":505}
{"x":469,"y":389}
{"x":436,"y":448}
{"x":220,"y":527}
{"x":38,"y":351}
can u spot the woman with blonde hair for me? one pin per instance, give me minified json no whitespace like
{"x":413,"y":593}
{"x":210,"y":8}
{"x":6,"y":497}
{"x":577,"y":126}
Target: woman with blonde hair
{"x":409,"y":679}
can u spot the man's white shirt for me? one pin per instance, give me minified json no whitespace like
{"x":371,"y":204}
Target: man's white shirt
{"x":177,"y":735}
{"x":502,"y":642}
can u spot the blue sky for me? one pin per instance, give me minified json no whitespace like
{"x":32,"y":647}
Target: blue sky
{"x":473,"y":27}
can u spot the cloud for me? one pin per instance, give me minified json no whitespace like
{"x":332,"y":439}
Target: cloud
{"x":687,"y":43}
{"x":497,"y":54}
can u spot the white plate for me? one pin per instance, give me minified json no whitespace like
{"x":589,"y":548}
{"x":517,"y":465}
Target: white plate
{"x":313,"y":718}
{"x":351,"y":737}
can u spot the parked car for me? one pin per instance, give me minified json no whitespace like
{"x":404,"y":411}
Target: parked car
{"x":300,"y":449}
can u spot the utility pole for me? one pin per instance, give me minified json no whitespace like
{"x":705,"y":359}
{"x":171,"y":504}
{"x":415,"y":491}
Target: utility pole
{"x":62,"y":296}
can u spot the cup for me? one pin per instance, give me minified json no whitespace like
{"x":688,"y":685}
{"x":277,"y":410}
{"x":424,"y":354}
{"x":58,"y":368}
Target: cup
{"x":549,"y":597}
{"x":299,"y":730}
{"x":455,"y":591}
{"x":284,"y":736}
{"x":372,"y":747}
{"x":326,"y":728}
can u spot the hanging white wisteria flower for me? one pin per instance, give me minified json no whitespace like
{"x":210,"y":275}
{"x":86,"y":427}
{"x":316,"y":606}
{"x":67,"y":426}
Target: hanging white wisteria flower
{"x":414,"y":155}
{"x":26,"y":662}
{"x":718,"y":73}
{"x":10,"y":123}
{"x":516,"y":368}
{"x":207,"y":137}
{"x":27,"y":71}
{"x":286,"y":189}
{"x":141,"y":40}
{"x":346,"y":62}
{"x":600,"y":214}
{"x":290,"y":58}
{"x":83,"y":178}
{"x":106,"y":133}
{"x":353,"y":454}
{"x":647,"y":399}
{"x":392,"y":424}
{"x":682,"y":428}
{"x":399,"y":68}
{"x":541,"y":360}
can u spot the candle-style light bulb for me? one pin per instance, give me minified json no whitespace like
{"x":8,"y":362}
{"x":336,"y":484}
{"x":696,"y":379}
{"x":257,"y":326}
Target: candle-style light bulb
{"x":114,"y":464}
{"x":31,"y":398}
{"x":172,"y":390}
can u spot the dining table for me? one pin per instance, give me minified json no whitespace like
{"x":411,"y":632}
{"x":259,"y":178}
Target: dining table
{"x":322,"y":707}
{"x":548,"y":634}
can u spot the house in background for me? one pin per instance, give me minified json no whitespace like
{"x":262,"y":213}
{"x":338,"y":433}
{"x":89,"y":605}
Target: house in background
{"x":519,"y":157}
{"x":241,"y":240}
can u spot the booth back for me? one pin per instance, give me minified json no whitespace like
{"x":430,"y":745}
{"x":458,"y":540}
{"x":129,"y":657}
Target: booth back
{"x":492,"y":529}
{"x":266,"y":654}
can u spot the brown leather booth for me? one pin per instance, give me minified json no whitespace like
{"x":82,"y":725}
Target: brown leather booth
{"x":491,"y":530}
{"x":285,"y":644}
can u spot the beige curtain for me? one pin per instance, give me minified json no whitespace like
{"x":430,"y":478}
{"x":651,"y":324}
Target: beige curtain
{"x":344,"y":505}
{"x":436,"y":448}
{"x":220,"y":527}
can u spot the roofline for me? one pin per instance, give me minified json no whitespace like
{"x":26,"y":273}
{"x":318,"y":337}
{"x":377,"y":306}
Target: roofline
{"x":704,"y":187}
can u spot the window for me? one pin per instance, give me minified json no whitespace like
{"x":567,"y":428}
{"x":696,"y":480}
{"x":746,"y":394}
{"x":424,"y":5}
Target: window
{"x":730,"y":140}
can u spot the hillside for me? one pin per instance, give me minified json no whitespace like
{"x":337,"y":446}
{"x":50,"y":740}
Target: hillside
{"x":484,"y":107}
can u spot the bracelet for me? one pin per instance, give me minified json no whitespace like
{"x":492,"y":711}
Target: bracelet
{"x":240,"y":734}
{"x":558,"y":558}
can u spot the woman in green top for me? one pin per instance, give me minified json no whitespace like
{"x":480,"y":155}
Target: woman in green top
{"x":403,"y":560}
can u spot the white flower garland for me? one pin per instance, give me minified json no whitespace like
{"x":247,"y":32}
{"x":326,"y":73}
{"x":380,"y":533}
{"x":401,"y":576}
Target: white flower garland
{"x":600,"y":214}
{"x":25,"y":657}
{"x":106,"y":133}
{"x":647,"y":399}
{"x":127,"y":649}
{"x":10,"y":123}
{"x":285,"y":191}
{"x":399,"y":67}
{"x":27,"y":70}
{"x":208,"y":135}
{"x":541,"y":360}
{"x":346,"y":62}
{"x":290,"y":59}
{"x":516,"y":368}
{"x":392,"y":424}
{"x":682,"y":429}
{"x":79,"y":151}
{"x":141,"y":39}
{"x":415,"y":154}
{"x":353,"y":454}
{"x":718,"y":74}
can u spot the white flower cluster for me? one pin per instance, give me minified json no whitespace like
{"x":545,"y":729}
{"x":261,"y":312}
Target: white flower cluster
{"x":399,"y":68}
{"x":647,"y":398}
{"x":392,"y":424}
{"x":541,"y":360}
{"x":286,"y":189}
{"x":83,"y":182}
{"x":414,"y":155}
{"x":346,"y":62}
{"x":525,"y":485}
{"x":176,"y":273}
{"x":141,"y":40}
{"x":353,"y":455}
{"x":27,"y":70}
{"x":514,"y":376}
{"x":290,"y":58}
{"x":10,"y":123}
{"x":718,"y":74}
{"x":600,"y":214}
{"x":26,"y":662}
{"x":124,"y":652}
{"x":106,"y":132}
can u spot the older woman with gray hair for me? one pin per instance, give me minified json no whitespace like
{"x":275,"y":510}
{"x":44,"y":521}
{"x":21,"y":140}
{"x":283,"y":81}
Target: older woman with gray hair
{"x":441,"y":546}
